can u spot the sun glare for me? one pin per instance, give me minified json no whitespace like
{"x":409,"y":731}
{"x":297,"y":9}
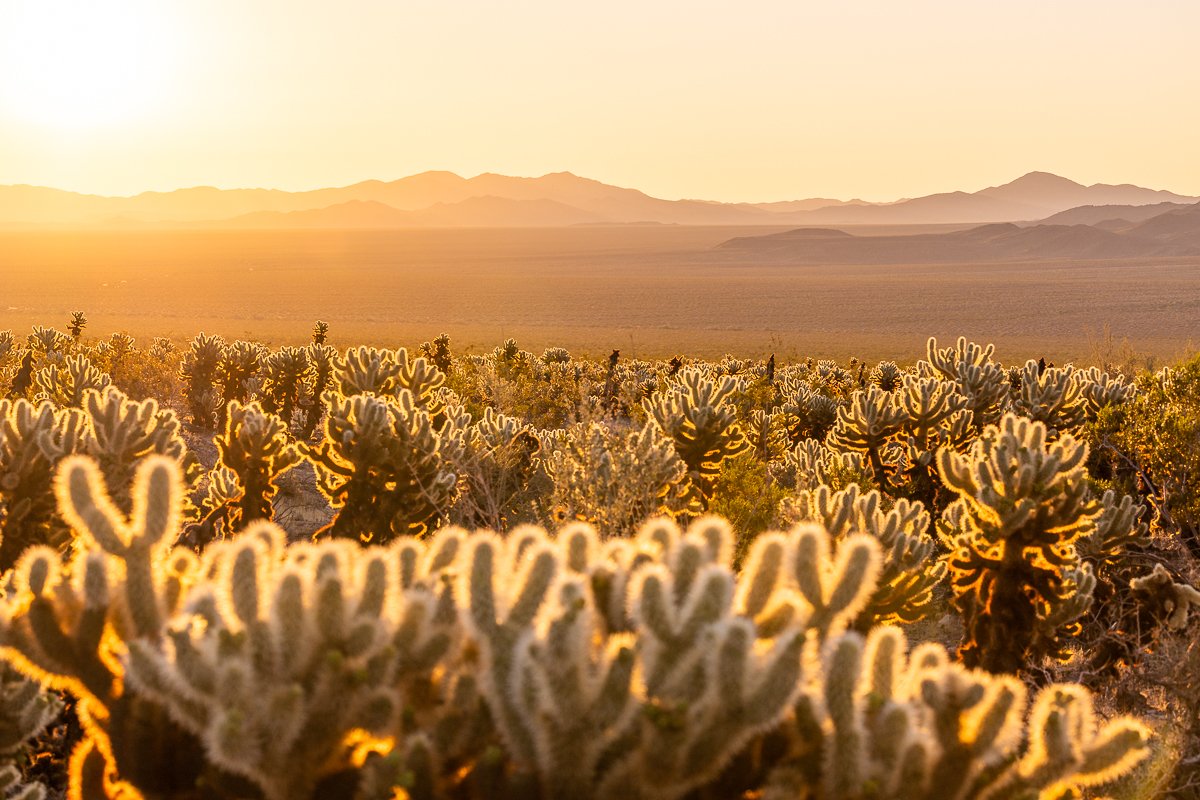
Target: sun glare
{"x":70,"y":65}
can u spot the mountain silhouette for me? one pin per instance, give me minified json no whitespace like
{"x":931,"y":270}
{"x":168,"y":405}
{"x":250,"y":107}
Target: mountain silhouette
{"x":560,"y":198}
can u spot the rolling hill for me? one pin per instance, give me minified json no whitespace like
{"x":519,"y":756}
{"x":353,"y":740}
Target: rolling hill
{"x":1174,"y":233}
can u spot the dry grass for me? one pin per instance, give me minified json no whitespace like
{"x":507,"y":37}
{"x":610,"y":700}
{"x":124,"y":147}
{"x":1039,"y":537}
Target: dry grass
{"x":651,"y":291}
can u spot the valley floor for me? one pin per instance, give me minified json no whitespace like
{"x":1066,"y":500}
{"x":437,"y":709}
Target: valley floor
{"x":651,"y":291}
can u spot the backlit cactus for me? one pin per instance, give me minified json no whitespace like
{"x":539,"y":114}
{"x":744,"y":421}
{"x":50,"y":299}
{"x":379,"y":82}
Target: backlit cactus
{"x":33,"y":439}
{"x":66,"y":383}
{"x":871,"y":420}
{"x":1015,"y":571}
{"x":911,"y":568}
{"x":1169,"y":599}
{"x":696,"y":415}
{"x":320,"y":379}
{"x":253,"y":452}
{"x":888,"y":724}
{"x":26,"y":709}
{"x":121,"y":432}
{"x":472,"y":666}
{"x":981,"y":381}
{"x":384,"y":468}
{"x":366,"y":370}
{"x":1051,"y":396}
{"x":237,"y":372}
{"x":284,"y":375}
{"x":199,"y":372}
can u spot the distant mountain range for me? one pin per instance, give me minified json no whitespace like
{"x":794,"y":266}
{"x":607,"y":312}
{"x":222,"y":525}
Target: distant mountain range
{"x":443,"y":199}
{"x":1172,"y":231}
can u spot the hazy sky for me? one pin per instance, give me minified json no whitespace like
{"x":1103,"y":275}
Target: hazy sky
{"x":723,"y":100}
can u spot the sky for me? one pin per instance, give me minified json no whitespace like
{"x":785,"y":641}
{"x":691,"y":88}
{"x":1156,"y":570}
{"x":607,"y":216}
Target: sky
{"x":750,"y":101}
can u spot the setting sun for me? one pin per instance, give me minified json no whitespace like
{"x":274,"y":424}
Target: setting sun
{"x":72,"y":66}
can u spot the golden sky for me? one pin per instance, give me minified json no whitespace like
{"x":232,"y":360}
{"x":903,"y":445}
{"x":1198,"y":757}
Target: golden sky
{"x":753,"y":100}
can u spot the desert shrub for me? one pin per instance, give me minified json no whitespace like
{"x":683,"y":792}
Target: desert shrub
{"x":613,"y":480}
{"x":527,"y":666}
{"x":1156,"y":436}
{"x":500,"y":470}
{"x":745,"y":495}
{"x":152,"y":373}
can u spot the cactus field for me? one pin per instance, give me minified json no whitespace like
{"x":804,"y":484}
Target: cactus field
{"x":335,"y":571}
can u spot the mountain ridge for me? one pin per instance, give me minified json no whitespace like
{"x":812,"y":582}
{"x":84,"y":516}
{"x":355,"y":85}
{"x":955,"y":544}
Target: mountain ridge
{"x":1033,"y":196}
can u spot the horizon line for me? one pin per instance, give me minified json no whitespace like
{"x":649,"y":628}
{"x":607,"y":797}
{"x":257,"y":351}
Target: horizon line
{"x":790,"y":198}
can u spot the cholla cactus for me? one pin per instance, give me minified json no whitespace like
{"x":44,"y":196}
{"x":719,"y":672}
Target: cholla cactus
{"x":26,"y":709}
{"x":162,"y":348}
{"x":555,"y":355}
{"x":1171,"y":600}
{"x":886,"y":375}
{"x":253,"y":452}
{"x":7,"y":345}
{"x":113,"y":352}
{"x":366,"y":370}
{"x":1102,"y":390}
{"x":320,"y":333}
{"x":48,"y":342}
{"x":475,"y":666}
{"x":423,"y":380}
{"x":889,"y":725}
{"x":384,"y":467}
{"x":199,"y":374}
{"x":438,"y":352}
{"x":66,"y":384}
{"x":1051,"y":396}
{"x":1119,"y":525}
{"x":695,"y":413}
{"x":615,"y":481}
{"x":121,"y":432}
{"x":871,"y":420}
{"x":33,"y":439}
{"x":237,"y":372}
{"x":910,"y":570}
{"x":981,"y":380}
{"x":284,"y":375}
{"x":78,"y":323}
{"x":808,"y":414}
{"x":1015,"y":571}
{"x":277,"y":702}
{"x":320,"y":378}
